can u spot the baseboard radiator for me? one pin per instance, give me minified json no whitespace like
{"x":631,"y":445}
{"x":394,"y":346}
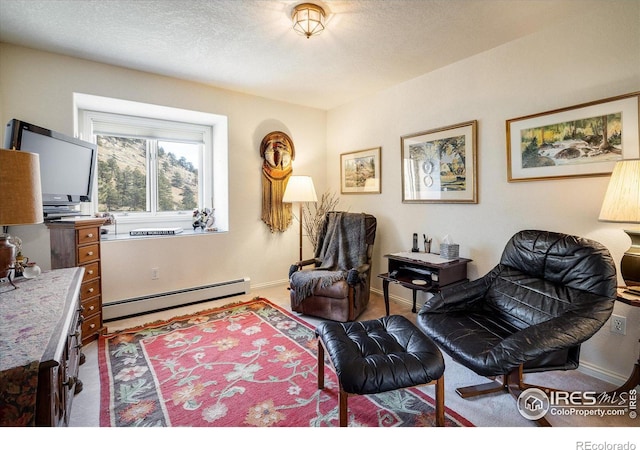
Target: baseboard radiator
{"x":120,"y":309}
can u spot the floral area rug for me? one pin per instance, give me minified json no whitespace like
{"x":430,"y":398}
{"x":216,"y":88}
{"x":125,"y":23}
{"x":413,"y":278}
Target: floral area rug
{"x":242,"y":365}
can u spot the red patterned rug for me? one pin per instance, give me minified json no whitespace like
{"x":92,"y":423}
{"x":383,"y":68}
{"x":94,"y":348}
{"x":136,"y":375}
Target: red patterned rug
{"x":242,"y":365}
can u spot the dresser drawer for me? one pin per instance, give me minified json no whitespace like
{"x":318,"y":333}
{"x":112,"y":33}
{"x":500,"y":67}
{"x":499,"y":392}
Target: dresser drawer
{"x":91,"y":307}
{"x":91,"y":326}
{"x":88,"y":253}
{"x":91,"y":271}
{"x":90,"y":289}
{"x":88,"y":235}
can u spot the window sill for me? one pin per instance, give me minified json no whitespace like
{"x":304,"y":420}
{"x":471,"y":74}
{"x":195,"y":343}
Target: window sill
{"x":126,"y":236}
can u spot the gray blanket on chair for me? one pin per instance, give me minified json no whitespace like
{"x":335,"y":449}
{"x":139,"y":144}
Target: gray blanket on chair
{"x":342,"y":247}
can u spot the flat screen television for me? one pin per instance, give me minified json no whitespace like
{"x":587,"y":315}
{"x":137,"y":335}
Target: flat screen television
{"x":67,"y":165}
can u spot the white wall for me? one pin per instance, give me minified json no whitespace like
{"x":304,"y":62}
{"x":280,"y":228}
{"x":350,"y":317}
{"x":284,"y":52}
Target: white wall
{"x":37,"y":87}
{"x":594,"y":57}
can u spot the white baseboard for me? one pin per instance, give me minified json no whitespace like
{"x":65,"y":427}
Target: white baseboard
{"x":601,"y":373}
{"x":157,"y":302}
{"x":284,"y":283}
{"x":396,"y":298}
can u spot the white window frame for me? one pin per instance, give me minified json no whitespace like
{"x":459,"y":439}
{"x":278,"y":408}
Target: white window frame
{"x":101,"y":115}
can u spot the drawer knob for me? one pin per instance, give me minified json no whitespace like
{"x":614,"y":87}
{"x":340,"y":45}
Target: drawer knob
{"x":90,"y":272}
{"x":90,"y":235}
{"x":92,"y":326}
{"x":89,"y":253}
{"x":91,"y":290}
{"x":91,"y":308}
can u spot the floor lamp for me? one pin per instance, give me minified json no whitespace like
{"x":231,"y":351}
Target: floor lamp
{"x":299,"y":190}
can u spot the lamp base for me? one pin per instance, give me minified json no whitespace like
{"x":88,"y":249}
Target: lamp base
{"x":7,"y":256}
{"x":630,"y":264}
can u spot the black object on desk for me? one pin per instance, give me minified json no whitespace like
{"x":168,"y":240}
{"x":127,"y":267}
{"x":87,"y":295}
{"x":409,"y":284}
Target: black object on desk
{"x":415,"y":248}
{"x":422,"y":272}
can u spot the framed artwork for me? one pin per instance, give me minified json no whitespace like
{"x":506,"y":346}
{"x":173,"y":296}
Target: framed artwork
{"x":579,"y":141}
{"x":441,"y":165}
{"x":360,"y":172}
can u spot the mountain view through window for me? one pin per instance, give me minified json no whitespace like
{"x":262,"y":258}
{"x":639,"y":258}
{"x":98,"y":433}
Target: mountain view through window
{"x":146,"y":175}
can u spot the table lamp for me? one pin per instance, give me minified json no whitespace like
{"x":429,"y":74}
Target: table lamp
{"x":20,"y":200}
{"x":300,"y":189}
{"x":622,"y":204}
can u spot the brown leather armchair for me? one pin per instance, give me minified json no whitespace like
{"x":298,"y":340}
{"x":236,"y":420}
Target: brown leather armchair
{"x":337,"y":285}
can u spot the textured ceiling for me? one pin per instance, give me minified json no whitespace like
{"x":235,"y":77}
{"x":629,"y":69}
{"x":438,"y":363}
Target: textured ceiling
{"x":249,"y":45}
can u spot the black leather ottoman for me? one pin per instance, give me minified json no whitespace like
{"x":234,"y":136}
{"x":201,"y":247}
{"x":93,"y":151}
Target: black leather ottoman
{"x":380,"y":355}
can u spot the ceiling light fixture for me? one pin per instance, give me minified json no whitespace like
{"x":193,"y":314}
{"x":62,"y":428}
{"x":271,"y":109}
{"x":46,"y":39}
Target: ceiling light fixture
{"x":308,"y":19}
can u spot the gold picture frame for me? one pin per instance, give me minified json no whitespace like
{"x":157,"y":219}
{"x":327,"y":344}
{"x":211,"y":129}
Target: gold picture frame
{"x":584,"y":140}
{"x":360,"y":172}
{"x":441,"y":165}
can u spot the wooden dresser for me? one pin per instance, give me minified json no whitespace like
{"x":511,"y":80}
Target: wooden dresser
{"x":40,"y":348}
{"x":76,"y":243}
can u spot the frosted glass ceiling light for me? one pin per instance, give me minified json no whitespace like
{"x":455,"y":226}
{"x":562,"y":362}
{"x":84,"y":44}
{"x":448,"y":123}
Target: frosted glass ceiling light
{"x":308,"y":19}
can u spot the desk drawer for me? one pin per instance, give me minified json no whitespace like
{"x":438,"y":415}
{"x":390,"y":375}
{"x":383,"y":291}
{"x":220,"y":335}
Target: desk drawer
{"x":91,"y":306}
{"x":91,"y":326}
{"x":90,"y":289}
{"x":91,"y":271}
{"x":88,"y":253}
{"x":88,"y":235}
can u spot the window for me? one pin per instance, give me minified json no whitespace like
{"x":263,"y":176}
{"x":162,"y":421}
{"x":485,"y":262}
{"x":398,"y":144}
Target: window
{"x":153,"y":168}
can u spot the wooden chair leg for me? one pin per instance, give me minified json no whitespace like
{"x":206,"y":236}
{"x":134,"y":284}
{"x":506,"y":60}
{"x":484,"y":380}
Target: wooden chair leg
{"x":440,"y":402}
{"x":481,"y":389}
{"x":516,"y":385}
{"x":344,"y":409}
{"x":320,"y":364}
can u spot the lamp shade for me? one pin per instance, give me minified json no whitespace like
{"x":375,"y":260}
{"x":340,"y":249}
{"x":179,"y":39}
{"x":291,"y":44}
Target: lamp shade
{"x":622,"y":204}
{"x":299,"y":189}
{"x":20,"y":191}
{"x":622,"y":199}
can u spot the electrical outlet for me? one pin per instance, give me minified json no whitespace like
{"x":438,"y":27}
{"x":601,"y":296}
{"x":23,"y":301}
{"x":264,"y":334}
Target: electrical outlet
{"x":618,"y":324}
{"x":155,"y":273}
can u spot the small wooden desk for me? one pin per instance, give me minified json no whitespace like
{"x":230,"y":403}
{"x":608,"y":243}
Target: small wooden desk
{"x":422,"y":272}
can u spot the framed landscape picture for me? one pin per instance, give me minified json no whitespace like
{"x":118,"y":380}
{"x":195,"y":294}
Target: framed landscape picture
{"x":440,"y":165}
{"x":360,"y":172}
{"x":578,"y":141}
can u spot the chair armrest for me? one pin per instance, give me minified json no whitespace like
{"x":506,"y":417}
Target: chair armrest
{"x":308,"y":262}
{"x":458,"y":299}
{"x":355,"y":276}
{"x":463,"y":296}
{"x":300,"y":264}
{"x":552,"y":335}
